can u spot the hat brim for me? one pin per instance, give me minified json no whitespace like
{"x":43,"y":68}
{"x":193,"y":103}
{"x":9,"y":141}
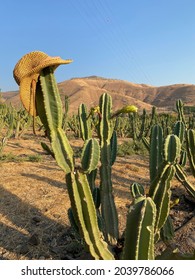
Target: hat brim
{"x":50,"y":61}
{"x":27,"y":96}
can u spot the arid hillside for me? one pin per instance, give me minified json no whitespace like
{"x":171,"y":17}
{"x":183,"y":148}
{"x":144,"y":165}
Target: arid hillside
{"x":88,"y":90}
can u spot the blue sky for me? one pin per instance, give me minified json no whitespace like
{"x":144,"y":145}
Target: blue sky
{"x":141,"y":41}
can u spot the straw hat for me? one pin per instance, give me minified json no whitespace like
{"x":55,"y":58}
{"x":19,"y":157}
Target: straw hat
{"x":27,"y":72}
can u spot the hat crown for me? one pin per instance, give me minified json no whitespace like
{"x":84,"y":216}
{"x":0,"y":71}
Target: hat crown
{"x":27,"y":63}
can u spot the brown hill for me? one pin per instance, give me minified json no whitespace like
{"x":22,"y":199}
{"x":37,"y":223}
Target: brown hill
{"x":88,"y":90}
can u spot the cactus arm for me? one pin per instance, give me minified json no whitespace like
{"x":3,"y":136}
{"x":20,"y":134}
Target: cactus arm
{"x":179,"y":107}
{"x":113,"y":147}
{"x":179,"y":130}
{"x":172,"y":148}
{"x":108,"y":207}
{"x":84,"y":122}
{"x":181,"y":176}
{"x":146,"y":143}
{"x":137,"y":190}
{"x":52,"y":99}
{"x":53,"y":109}
{"x":190,"y":144}
{"x":161,"y":194}
{"x":167,"y":231}
{"x":139,"y":234}
{"x":90,"y":155}
{"x":84,"y":213}
{"x":156,"y":150}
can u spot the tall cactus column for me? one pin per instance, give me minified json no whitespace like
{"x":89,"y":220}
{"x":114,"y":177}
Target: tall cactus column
{"x":108,"y":207}
{"x":49,"y":108}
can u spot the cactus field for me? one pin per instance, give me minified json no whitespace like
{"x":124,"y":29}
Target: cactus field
{"x":101,"y":184}
{"x":34,"y":199}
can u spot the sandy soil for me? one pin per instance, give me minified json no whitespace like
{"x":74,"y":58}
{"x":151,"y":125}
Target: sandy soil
{"x":34,"y":203}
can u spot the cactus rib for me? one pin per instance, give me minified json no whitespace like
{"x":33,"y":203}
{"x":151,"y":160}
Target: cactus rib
{"x":139,"y":234}
{"x":85,"y":214}
{"x":53,"y":109}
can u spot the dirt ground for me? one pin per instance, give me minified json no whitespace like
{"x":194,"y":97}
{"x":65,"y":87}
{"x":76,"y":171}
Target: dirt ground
{"x":34,"y":203}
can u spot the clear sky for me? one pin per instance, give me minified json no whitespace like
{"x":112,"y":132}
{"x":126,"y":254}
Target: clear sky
{"x":141,"y":41}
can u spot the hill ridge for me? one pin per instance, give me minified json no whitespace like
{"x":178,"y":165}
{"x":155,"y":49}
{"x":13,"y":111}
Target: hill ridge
{"x":88,"y":90}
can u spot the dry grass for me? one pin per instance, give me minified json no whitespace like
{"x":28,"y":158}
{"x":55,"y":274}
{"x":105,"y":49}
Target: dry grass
{"x":34,"y":203}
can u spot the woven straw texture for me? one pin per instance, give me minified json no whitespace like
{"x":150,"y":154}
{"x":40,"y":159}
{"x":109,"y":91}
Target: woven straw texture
{"x":27,"y":71}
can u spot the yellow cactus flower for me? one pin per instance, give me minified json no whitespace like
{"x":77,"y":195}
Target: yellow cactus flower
{"x":125,"y":110}
{"x":129,"y":109}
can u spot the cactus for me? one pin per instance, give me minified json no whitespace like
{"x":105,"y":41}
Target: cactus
{"x":172,"y":148}
{"x":167,"y":231}
{"x":182,"y":177}
{"x":108,"y":208}
{"x":139,"y":233}
{"x":179,"y":130}
{"x":84,"y":213}
{"x":49,"y":108}
{"x":161,"y":194}
{"x":190,"y":143}
{"x":156,"y":150}
{"x":113,"y":147}
{"x":53,"y":113}
{"x":77,"y":183}
{"x":66,"y":109}
{"x":160,"y":186}
{"x":143,"y":125}
{"x":84,"y":122}
{"x":90,"y":155}
{"x":180,"y":110}
{"x":136,"y":190}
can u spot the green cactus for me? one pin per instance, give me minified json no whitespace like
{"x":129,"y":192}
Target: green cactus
{"x":82,"y":204}
{"x":183,"y":158}
{"x":52,"y":119}
{"x":160,"y":186}
{"x":90,"y":155}
{"x":139,"y":233}
{"x":84,"y":213}
{"x":182,"y":177}
{"x":156,"y":150}
{"x":108,"y":207}
{"x":180,"y":110}
{"x":190,"y":144}
{"x":143,"y":125}
{"x":172,"y":148}
{"x":84,"y":122}
{"x":179,"y":130}
{"x":137,"y":190}
{"x":167,"y":231}
{"x":113,"y":147}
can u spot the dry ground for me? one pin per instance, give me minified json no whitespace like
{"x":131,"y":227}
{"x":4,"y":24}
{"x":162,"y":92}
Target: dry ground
{"x":34,"y":203}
